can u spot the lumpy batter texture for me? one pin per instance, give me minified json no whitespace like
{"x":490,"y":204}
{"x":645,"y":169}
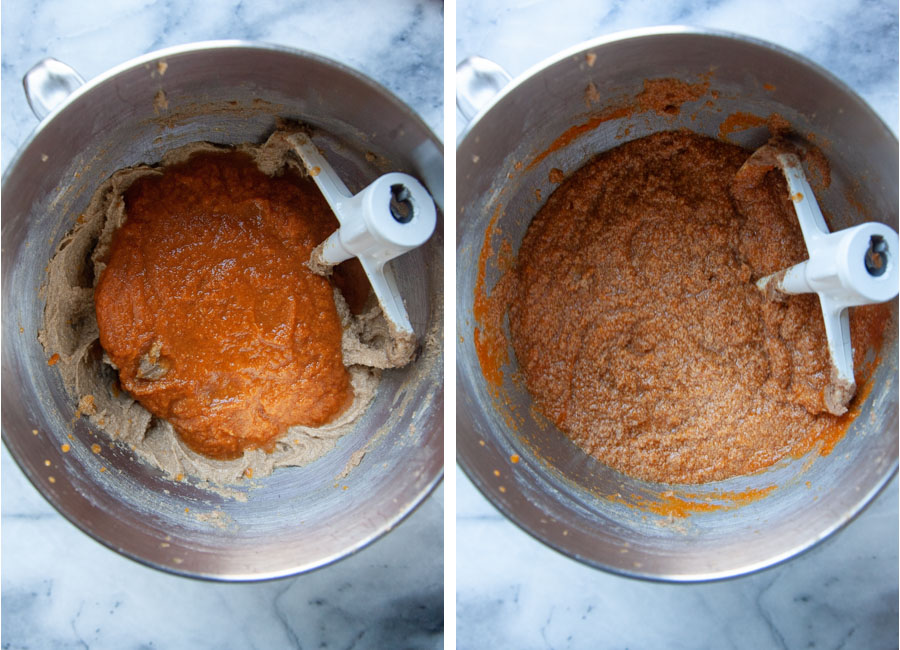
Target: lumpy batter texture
{"x":209,"y":313}
{"x":639,"y":329}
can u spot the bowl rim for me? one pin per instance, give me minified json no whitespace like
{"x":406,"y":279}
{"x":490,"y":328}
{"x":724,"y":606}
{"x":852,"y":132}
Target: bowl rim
{"x":200,"y":46}
{"x":662,"y":30}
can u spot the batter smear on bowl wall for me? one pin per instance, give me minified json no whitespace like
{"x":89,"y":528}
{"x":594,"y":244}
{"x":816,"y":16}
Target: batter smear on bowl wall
{"x":638,"y":327}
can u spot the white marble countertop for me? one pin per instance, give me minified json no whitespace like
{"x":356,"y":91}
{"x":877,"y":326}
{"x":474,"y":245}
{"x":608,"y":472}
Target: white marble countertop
{"x":512,"y":591}
{"x":61,"y":589}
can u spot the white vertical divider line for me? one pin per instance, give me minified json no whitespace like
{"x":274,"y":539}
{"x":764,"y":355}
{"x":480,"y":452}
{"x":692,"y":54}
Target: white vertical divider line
{"x":450,"y":336}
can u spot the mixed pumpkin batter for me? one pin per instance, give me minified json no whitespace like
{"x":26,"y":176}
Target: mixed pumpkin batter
{"x":638,"y":327}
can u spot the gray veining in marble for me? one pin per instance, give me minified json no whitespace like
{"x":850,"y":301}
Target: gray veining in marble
{"x":512,"y":591}
{"x":61,"y":589}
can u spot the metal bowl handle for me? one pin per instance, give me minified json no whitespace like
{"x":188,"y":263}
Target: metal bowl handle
{"x":48,"y":83}
{"x":477,"y":81}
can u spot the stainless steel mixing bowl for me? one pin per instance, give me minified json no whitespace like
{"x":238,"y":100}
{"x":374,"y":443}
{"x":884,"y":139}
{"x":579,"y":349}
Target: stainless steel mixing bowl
{"x":226,"y":92}
{"x":556,"y":492}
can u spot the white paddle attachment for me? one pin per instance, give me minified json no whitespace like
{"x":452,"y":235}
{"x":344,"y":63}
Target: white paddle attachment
{"x":855,"y":266}
{"x":391,"y":216}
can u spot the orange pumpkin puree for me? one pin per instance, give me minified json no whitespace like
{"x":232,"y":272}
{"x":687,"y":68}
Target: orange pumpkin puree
{"x":209,"y":312}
